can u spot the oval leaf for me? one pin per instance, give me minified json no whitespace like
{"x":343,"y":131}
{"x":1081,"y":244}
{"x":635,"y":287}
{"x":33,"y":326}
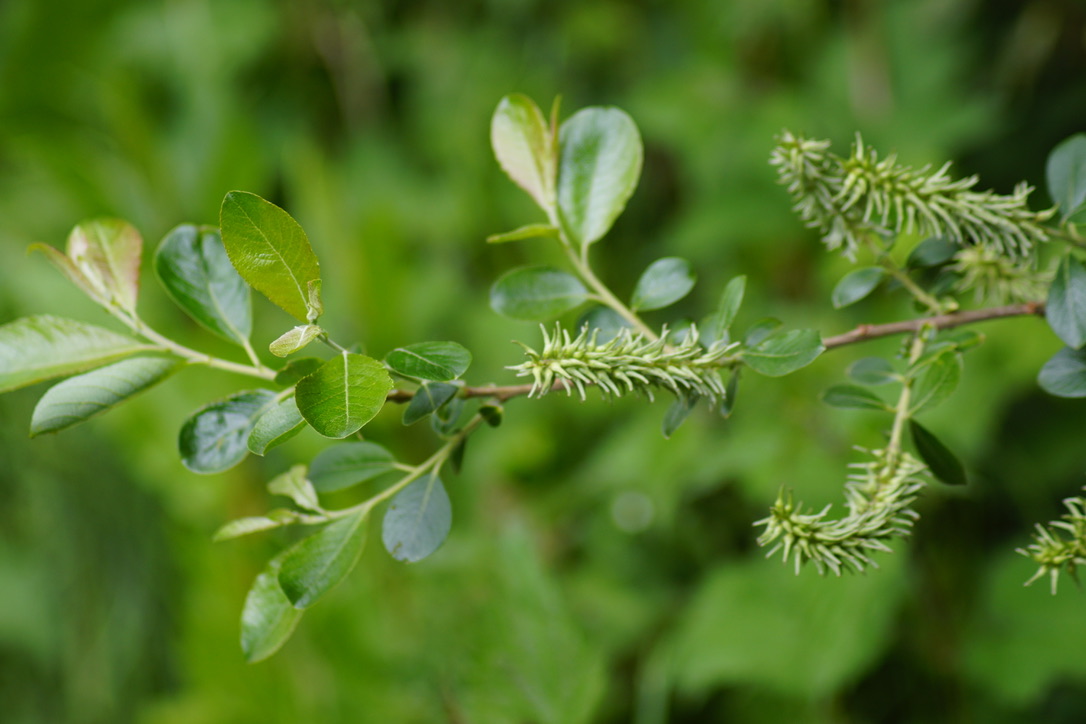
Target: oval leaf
{"x":277,"y":424}
{"x":428,"y":398}
{"x":665,"y":282}
{"x":1065,"y":374}
{"x":314,"y":565}
{"x":348,"y":464}
{"x":270,"y":251}
{"x":108,"y":253}
{"x":936,"y":380}
{"x":599,"y":165}
{"x":418,"y":520}
{"x":760,"y":331}
{"x":80,"y":398}
{"x":268,"y":618}
{"x":856,"y":285}
{"x":853,"y":397}
{"x":942,"y":463}
{"x":1065,"y":173}
{"x":245,"y":526}
{"x":192,"y":264}
{"x":216,"y":437}
{"x":343,"y":395}
{"x":524,"y":147}
{"x":294,"y":485}
{"x":437,"y":361}
{"x":536,"y":293}
{"x":873,"y":371}
{"x":295,"y":339}
{"x":782,"y":354}
{"x":38,"y":348}
{"x":1066,"y":307}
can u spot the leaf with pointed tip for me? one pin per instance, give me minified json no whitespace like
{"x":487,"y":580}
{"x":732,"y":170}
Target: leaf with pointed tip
{"x":244,"y":526}
{"x":730,"y":302}
{"x":215,"y":438}
{"x":942,"y":463}
{"x":677,"y":413}
{"x":1064,"y":375}
{"x":856,"y":285}
{"x":428,"y":398}
{"x":536,"y":293}
{"x":349,"y":463}
{"x":782,"y":354}
{"x":33,"y":349}
{"x":529,"y":231}
{"x":277,"y":424}
{"x":436,"y":361}
{"x":267,"y":618}
{"x":853,"y":397}
{"x":1066,"y":307}
{"x":343,"y":395}
{"x":665,"y":282}
{"x":418,"y":520}
{"x":79,"y":398}
{"x":524,"y":147}
{"x":1065,"y":172}
{"x":294,"y":485}
{"x":270,"y":251}
{"x":315,"y":565}
{"x":192,"y":264}
{"x":294,"y":339}
{"x":108,"y":253}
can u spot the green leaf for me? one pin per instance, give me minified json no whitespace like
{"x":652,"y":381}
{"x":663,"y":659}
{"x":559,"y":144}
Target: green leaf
{"x":215,"y":438}
{"x":782,"y":354}
{"x":936,"y":251}
{"x":68,"y":268}
{"x":446,"y":419}
{"x":314,"y":565}
{"x":943,"y":464}
{"x":254,"y":524}
{"x":418,"y":520}
{"x":856,"y":285}
{"x":428,"y":398}
{"x":728,"y":403}
{"x":524,"y":146}
{"x":192,"y":264}
{"x":294,"y":339}
{"x":294,"y":485}
{"x":437,"y":361}
{"x":873,"y":371}
{"x":270,"y":251}
{"x":935,"y":380}
{"x":108,"y":252}
{"x":295,"y":370}
{"x":609,"y":322}
{"x":1066,"y":307}
{"x":268,"y":618}
{"x":600,"y":162}
{"x":730,"y":302}
{"x":665,"y":282}
{"x":492,"y":413}
{"x":536,"y":293}
{"x":277,"y":424}
{"x":1065,"y":374}
{"x":80,"y":398}
{"x":1065,"y":172}
{"x":530,"y":231}
{"x":760,"y":330}
{"x":39,"y":348}
{"x":853,"y":397}
{"x":677,"y":413}
{"x":343,"y":395}
{"x":349,"y":463}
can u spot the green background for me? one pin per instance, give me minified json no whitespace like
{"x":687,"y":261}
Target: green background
{"x":595,"y":572}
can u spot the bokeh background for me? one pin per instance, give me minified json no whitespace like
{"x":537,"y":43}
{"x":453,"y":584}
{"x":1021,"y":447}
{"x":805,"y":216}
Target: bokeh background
{"x":595,"y":572}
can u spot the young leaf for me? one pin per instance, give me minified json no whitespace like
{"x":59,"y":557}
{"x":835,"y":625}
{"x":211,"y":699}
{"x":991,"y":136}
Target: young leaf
{"x":943,"y":464}
{"x":79,"y":398}
{"x":428,"y":398}
{"x":1065,"y":172}
{"x":531,"y":231}
{"x":677,"y":413}
{"x":38,"y":348}
{"x":314,"y":565}
{"x":935,"y":380}
{"x":215,"y":438}
{"x":856,"y":285}
{"x":665,"y":282}
{"x":600,"y":162}
{"x":295,"y":370}
{"x":254,"y":524}
{"x":349,"y":463}
{"x":785,"y":353}
{"x":418,"y":520}
{"x":270,"y":251}
{"x":446,"y":419}
{"x":294,"y":485}
{"x":536,"y":293}
{"x":437,"y":361}
{"x":1066,"y":307}
{"x":268,"y":618}
{"x":277,"y":424}
{"x":872,"y":371}
{"x":343,"y":395}
{"x":853,"y":397}
{"x":935,"y":251}
{"x":68,"y":268}
{"x":192,"y":264}
{"x":730,"y":302}
{"x":1065,"y":374}
{"x":294,"y":339}
{"x":524,"y":147}
{"x":108,"y":253}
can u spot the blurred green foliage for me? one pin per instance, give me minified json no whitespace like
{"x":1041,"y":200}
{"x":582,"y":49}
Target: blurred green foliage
{"x":595,"y":571}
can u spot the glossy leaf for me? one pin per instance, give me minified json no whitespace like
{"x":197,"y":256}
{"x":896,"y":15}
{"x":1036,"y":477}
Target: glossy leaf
{"x":349,"y":463}
{"x":665,"y":282}
{"x":599,"y":164}
{"x":782,"y":354}
{"x":677,"y":413}
{"x":270,"y":251}
{"x":936,"y":251}
{"x":108,"y":253}
{"x":524,"y":146}
{"x":730,"y":302}
{"x":268,"y":618}
{"x":1065,"y":374}
{"x":530,"y":231}
{"x":853,"y":397}
{"x":84,"y":396}
{"x":295,"y":370}
{"x":872,"y":371}
{"x":428,"y":398}
{"x":277,"y":424}
{"x":39,"y":348}
{"x":935,"y":380}
{"x":418,"y":520}
{"x":294,"y":485}
{"x":856,"y":285}
{"x":437,"y":361}
{"x":294,"y":339}
{"x":1065,"y":173}
{"x":192,"y":264}
{"x":314,"y":565}
{"x":215,"y":438}
{"x":942,"y":463}
{"x":1066,"y":307}
{"x":536,"y":293}
{"x":343,"y":395}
